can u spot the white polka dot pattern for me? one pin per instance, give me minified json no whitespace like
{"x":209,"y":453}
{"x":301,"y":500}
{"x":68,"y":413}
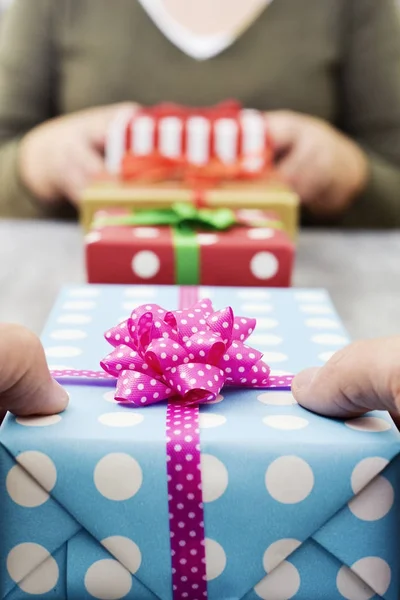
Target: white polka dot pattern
{"x":185,"y":501}
{"x":288,"y":482}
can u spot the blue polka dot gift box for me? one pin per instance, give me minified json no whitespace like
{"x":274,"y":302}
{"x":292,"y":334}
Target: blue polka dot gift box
{"x":95,"y":502}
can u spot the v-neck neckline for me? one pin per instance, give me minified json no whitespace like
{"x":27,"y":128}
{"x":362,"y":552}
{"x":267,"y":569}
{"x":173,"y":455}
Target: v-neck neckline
{"x":198,"y":46}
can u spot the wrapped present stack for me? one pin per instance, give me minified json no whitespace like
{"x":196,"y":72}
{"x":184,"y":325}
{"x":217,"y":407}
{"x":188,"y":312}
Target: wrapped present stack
{"x":213,"y":168}
{"x":184,"y":469}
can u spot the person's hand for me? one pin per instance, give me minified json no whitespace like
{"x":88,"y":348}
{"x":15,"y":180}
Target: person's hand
{"x":362,"y":377}
{"x":59,"y":158}
{"x":325,"y":168}
{"x":26,"y":387}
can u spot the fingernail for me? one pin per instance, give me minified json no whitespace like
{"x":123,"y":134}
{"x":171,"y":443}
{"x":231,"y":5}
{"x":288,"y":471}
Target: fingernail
{"x":302,"y":382}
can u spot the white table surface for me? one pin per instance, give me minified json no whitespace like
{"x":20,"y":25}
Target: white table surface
{"x":360,"y":270}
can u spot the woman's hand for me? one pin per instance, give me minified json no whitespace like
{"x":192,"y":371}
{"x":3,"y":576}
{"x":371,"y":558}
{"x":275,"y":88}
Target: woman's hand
{"x":362,"y":377}
{"x":326,"y":169}
{"x":26,"y":387}
{"x":59,"y":158}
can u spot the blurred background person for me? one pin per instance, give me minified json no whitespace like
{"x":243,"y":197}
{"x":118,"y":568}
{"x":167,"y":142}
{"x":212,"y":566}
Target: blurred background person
{"x":326,"y":72}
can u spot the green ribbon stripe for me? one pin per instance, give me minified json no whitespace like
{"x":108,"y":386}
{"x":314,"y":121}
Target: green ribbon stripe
{"x":184,"y":219}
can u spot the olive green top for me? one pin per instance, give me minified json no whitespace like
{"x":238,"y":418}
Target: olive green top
{"x":334,"y":59}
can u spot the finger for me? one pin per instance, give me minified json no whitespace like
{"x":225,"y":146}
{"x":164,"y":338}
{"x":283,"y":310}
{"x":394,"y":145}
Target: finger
{"x":26,"y":386}
{"x":283,"y":127}
{"x":362,"y":377}
{"x":86,"y":165}
{"x":100,"y":119}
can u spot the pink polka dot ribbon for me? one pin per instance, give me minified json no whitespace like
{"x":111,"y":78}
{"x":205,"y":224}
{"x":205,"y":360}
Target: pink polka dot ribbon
{"x":185,"y":501}
{"x":185,"y":356}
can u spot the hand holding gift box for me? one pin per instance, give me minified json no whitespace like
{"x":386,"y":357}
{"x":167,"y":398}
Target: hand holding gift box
{"x":187,"y":246}
{"x":290,"y":499}
{"x":219,"y":156}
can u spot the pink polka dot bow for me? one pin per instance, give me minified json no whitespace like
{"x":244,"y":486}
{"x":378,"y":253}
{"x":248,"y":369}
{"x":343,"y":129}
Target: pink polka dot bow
{"x":185,"y":354}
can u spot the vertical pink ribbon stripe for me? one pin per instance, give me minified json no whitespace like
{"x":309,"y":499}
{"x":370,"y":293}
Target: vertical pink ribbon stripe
{"x":185,"y":502}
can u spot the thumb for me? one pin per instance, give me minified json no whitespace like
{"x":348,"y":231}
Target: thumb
{"x":102,"y":117}
{"x":26,"y":386}
{"x":362,"y":377}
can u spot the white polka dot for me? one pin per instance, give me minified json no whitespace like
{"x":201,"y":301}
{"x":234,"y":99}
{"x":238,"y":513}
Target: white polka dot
{"x":310,"y":296}
{"x":84,"y":292}
{"x":260,"y":233}
{"x":79,"y":305}
{"x":375,"y":572}
{"x":369,"y":424}
{"x":266,"y":323}
{"x":264,"y":265}
{"x":374,"y":502}
{"x":121,"y":419}
{"x":257,"y":308}
{"x":124,"y":550}
{"x":68,"y":334}
{"x":279,"y":372}
{"x":131,"y":306}
{"x":93,"y":237}
{"x":214,"y":477}
{"x":251,"y":214}
{"x":146,"y":232}
{"x":118,"y":476}
{"x":205,"y":293}
{"x":62,"y":351}
{"x":374,"y":576}
{"x":320,"y":323}
{"x":215,"y":559}
{"x":58,"y":367}
{"x":23,"y":489}
{"x":375,"y":494}
{"x":207,"y":239}
{"x":140,"y":291}
{"x":325,"y":356}
{"x":329,"y":338}
{"x":110,"y":397}
{"x":366,"y":470}
{"x":22,"y":480}
{"x":316,"y":309}
{"x":351,"y":587}
{"x":277,"y":398}
{"x":253,"y":294}
{"x":274,"y":357}
{"x":208,"y":420}
{"x":278,"y":552}
{"x":282,"y":584}
{"x":285,"y":422}
{"x":74,"y":319}
{"x":217,"y":400}
{"x":39,"y":421}
{"x":259,"y":340}
{"x":289,"y":479}
{"x":31,"y":566}
{"x":107,"y":579}
{"x":146,"y":264}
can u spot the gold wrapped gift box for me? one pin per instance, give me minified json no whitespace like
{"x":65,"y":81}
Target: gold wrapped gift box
{"x":268,"y":194}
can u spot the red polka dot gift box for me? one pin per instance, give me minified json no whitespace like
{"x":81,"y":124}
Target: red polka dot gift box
{"x":222,"y":247}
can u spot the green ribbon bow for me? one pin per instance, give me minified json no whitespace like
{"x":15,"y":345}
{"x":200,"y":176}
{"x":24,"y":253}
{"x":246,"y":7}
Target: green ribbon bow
{"x":184,"y":219}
